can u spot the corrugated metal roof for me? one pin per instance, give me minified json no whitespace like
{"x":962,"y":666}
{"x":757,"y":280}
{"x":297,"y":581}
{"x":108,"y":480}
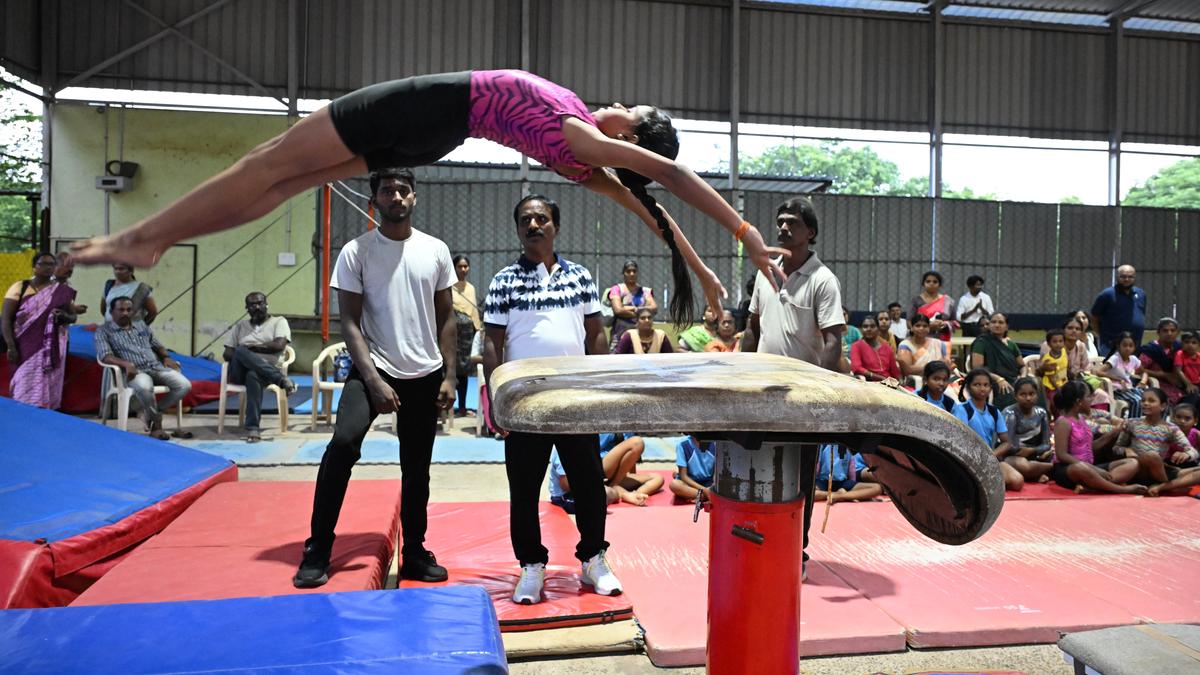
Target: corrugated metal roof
{"x":1180,"y":10}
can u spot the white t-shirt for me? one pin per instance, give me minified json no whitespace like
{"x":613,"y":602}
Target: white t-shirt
{"x":791,"y":319}
{"x":973,"y":304}
{"x":541,"y":311}
{"x":397,"y":280}
{"x":246,"y":333}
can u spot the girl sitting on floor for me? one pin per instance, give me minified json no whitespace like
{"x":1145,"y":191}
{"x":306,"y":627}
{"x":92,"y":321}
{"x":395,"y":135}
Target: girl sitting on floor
{"x":696,"y":463}
{"x":620,"y":454}
{"x":1122,"y":368}
{"x":1074,"y":458}
{"x":1184,"y":417}
{"x":985,"y":420}
{"x":1029,"y":428}
{"x":1159,"y":446}
{"x":934,"y":379}
{"x":852,"y":480}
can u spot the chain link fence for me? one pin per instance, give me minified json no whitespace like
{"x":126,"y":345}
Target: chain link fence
{"x":1036,"y":258}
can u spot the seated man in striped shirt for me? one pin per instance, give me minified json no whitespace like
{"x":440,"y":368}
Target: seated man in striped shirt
{"x":133,"y":347}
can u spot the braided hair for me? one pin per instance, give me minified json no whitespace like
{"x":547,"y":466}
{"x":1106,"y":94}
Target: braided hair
{"x":656,"y":134}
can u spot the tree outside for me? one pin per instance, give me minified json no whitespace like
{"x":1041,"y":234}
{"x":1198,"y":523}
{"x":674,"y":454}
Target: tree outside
{"x":20,"y":163}
{"x":1176,"y":187}
{"x":856,"y":171}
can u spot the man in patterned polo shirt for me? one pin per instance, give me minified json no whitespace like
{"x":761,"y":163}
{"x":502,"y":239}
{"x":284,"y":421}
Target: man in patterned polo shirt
{"x":543,"y":305}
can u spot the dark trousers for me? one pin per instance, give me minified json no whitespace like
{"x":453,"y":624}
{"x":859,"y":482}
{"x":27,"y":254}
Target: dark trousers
{"x":462,"y":392}
{"x":808,"y":479}
{"x":255,"y":372}
{"x":417,"y":428}
{"x":971,"y":329}
{"x":526,"y":457}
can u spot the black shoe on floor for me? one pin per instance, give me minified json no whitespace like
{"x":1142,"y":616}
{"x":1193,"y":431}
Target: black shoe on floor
{"x":422,"y":567}
{"x":314,"y":569}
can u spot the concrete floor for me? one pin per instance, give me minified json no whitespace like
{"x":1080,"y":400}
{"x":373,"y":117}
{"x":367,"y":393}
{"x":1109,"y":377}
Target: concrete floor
{"x":614,"y":648}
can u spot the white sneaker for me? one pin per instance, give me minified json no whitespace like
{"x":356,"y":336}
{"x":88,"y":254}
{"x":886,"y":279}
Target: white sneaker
{"x":529,"y":586}
{"x":598,"y":575}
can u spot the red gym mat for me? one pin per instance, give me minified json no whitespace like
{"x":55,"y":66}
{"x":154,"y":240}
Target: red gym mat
{"x":1046,"y":566}
{"x":244,"y":539}
{"x":661,"y":557}
{"x":471,"y":540}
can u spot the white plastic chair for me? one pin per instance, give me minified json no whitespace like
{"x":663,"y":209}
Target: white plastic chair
{"x":113,"y":385}
{"x":227,"y":388}
{"x":322,"y":390}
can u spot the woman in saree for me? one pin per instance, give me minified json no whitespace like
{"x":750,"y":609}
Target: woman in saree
{"x":34,"y":321}
{"x":935,"y":305}
{"x":920,"y":348}
{"x":125,"y":285}
{"x":1001,"y":357}
{"x":1158,"y":358}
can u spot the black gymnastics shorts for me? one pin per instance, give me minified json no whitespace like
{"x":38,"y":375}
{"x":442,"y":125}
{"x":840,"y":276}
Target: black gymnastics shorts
{"x":404,"y":123}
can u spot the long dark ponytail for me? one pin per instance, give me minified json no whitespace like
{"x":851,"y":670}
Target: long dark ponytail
{"x":656,"y":134}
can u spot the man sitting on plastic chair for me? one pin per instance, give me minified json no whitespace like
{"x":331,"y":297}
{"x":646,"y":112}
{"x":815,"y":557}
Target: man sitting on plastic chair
{"x":131,"y":346}
{"x":255,"y":354}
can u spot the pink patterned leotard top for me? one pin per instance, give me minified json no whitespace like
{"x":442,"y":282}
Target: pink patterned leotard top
{"x":1079,"y":444}
{"x":524,"y":112}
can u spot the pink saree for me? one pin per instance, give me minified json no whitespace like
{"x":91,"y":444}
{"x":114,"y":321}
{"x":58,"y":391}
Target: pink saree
{"x":38,"y":379}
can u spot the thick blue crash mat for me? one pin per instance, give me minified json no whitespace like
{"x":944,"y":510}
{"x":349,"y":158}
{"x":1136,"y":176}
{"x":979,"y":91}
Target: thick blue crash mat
{"x":423,"y":630}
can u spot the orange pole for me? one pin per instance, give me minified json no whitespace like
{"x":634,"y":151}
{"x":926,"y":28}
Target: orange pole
{"x":370,"y":215}
{"x":325,"y":239}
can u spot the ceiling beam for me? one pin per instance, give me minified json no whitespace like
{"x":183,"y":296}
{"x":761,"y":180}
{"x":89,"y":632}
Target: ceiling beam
{"x":207,"y":52}
{"x":1128,"y":9}
{"x":129,"y":51}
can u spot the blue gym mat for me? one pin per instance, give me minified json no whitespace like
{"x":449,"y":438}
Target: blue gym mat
{"x":61,"y":476}
{"x":423,"y":630}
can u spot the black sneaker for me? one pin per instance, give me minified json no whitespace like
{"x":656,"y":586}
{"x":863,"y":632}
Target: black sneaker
{"x":422,"y":567}
{"x":314,"y":569}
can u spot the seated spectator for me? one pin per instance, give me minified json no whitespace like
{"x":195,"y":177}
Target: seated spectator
{"x":146,"y":362}
{"x":1184,"y":417}
{"x":255,"y":354}
{"x":619,"y":454}
{"x":125,"y":285}
{"x":851,"y":479}
{"x":1187,"y":367}
{"x":884,"y":320}
{"x":934,"y":379}
{"x":645,"y":339}
{"x":1088,"y":337}
{"x":1158,"y":358}
{"x":1127,"y":374}
{"x":1079,"y":364}
{"x":1074,"y":448}
{"x":985,"y":419}
{"x":919,"y":348}
{"x":871,"y":357}
{"x":696,"y":338}
{"x":1029,"y":430}
{"x":935,"y":306}
{"x":626,"y":297}
{"x":1160,"y":447}
{"x":696,"y":462}
{"x":974,"y":307}
{"x":34,"y":322}
{"x":899,"y":326}
{"x":727,"y":339}
{"x":852,"y":334}
{"x":1000,"y":356}
{"x":1053,"y":366}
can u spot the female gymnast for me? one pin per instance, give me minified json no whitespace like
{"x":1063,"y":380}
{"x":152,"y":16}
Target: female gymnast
{"x":418,"y":120}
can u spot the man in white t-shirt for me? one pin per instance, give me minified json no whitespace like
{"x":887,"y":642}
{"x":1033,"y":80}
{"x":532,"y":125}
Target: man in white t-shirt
{"x":393,"y":288}
{"x":803,"y":319}
{"x":543,"y":305}
{"x":974,"y":307}
{"x":255,"y":351}
{"x":899,"y":327}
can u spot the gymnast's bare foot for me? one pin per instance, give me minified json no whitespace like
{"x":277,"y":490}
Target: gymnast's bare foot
{"x":1134,"y":489}
{"x":124,"y":247}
